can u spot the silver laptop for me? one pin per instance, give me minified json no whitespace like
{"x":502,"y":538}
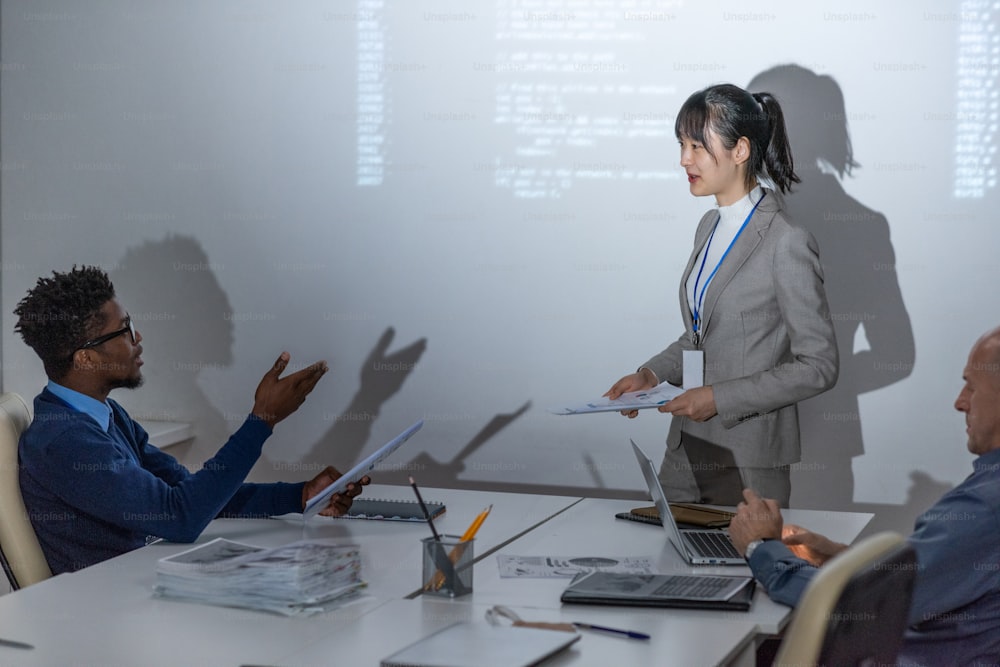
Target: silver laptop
{"x":697,"y":546}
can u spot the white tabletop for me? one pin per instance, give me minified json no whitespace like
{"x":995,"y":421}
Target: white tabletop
{"x":107,"y":615}
{"x":590,"y":528}
{"x":684,"y":640}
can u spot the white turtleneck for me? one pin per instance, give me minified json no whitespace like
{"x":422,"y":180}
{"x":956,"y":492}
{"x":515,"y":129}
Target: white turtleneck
{"x":731,"y":218}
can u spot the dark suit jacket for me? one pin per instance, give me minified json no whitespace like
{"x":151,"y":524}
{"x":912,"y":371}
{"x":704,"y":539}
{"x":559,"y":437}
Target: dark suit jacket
{"x":767,"y":336}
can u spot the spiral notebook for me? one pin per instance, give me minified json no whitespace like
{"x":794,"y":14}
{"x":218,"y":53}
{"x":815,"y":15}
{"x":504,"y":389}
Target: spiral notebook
{"x":391,"y":510}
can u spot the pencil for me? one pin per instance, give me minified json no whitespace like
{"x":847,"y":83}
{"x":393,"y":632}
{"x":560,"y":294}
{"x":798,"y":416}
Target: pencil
{"x":423,"y":508}
{"x":473,"y":528}
{"x":442,"y":562}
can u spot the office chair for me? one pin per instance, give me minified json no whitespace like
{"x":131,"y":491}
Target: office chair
{"x":20,"y":554}
{"x":855,"y":610}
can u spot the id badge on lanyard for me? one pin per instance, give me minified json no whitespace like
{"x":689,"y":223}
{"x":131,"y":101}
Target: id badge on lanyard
{"x":699,"y":296}
{"x":693,"y":369}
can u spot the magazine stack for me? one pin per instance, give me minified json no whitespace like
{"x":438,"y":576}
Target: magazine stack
{"x":300,"y":578}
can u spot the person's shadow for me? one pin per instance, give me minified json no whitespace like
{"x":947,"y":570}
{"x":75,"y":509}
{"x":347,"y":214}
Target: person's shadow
{"x":874,"y":335}
{"x":170,"y":289}
{"x":172,"y":292}
{"x":186,"y":320}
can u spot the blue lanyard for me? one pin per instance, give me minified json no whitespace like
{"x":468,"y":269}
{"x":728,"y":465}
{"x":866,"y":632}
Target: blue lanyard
{"x":700,"y":296}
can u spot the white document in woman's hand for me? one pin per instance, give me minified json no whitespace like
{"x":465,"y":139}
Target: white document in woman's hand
{"x":633,"y":400}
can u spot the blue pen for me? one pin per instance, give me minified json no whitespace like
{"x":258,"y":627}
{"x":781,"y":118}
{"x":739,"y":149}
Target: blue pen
{"x":603,"y":628}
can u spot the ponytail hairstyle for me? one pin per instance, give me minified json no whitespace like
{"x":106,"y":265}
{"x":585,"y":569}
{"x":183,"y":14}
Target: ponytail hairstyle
{"x":730,"y":113}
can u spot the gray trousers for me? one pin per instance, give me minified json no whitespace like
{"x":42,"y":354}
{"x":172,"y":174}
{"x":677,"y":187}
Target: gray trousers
{"x":701,"y":472}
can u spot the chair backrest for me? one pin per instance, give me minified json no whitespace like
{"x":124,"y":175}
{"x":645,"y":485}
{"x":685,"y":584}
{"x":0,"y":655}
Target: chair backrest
{"x":855,"y":609}
{"x":21,"y":555}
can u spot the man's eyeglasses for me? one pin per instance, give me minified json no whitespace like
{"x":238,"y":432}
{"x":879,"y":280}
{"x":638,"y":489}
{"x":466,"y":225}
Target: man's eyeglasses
{"x":128,"y":328}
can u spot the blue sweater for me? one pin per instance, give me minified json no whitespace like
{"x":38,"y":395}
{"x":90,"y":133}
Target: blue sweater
{"x":92,"y":495}
{"x":955,"y":612}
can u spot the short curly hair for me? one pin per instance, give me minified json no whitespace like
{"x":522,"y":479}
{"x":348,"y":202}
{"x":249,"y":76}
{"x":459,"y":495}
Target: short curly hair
{"x":61,"y":313}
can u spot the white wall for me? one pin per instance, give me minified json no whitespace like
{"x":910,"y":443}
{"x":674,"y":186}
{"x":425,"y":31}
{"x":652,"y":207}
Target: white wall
{"x":473,"y":211}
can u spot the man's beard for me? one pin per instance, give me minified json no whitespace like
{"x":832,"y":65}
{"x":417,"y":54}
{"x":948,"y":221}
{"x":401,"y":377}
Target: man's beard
{"x":128,"y":383}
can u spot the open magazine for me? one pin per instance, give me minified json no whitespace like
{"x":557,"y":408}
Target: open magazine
{"x":303,"y":577}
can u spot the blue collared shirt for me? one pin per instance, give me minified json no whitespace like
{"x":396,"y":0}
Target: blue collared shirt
{"x":955,"y":611}
{"x":100,"y":411}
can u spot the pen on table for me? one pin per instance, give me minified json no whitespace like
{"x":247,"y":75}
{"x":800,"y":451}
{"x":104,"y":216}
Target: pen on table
{"x":603,"y":628}
{"x":423,"y":508}
{"x":13,"y":644}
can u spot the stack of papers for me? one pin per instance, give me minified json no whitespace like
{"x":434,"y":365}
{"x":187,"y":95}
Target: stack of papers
{"x":304,"y":577}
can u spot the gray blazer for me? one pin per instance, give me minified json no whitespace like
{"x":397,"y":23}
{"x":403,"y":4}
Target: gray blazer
{"x":767,"y":336}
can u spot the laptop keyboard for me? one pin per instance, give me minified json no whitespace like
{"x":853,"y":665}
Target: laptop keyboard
{"x":711,"y":544}
{"x":693,"y":587}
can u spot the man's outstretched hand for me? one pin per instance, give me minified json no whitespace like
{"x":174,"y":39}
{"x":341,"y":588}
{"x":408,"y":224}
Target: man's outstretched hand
{"x":277,"y":397}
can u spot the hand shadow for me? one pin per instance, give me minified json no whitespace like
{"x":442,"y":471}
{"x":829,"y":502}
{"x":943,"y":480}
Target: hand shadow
{"x":382,"y":375}
{"x":446,"y":474}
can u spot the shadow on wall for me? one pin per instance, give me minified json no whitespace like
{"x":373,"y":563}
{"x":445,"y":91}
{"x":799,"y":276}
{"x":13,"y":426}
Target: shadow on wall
{"x":924,"y":491}
{"x":382,"y":375}
{"x":874,"y":334}
{"x":172,"y":292}
{"x":447,"y":474}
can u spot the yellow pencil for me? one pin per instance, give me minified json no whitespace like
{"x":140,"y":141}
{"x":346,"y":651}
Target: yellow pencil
{"x":476,"y":523}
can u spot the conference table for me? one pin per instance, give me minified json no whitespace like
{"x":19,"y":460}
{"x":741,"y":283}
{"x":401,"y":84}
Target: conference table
{"x":107,"y":614}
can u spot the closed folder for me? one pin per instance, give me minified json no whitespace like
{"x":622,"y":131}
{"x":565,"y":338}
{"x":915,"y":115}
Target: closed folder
{"x":464,"y":644}
{"x":690,"y":513}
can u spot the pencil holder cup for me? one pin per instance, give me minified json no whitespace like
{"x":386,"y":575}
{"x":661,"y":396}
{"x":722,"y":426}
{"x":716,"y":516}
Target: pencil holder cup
{"x":447,"y":566}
